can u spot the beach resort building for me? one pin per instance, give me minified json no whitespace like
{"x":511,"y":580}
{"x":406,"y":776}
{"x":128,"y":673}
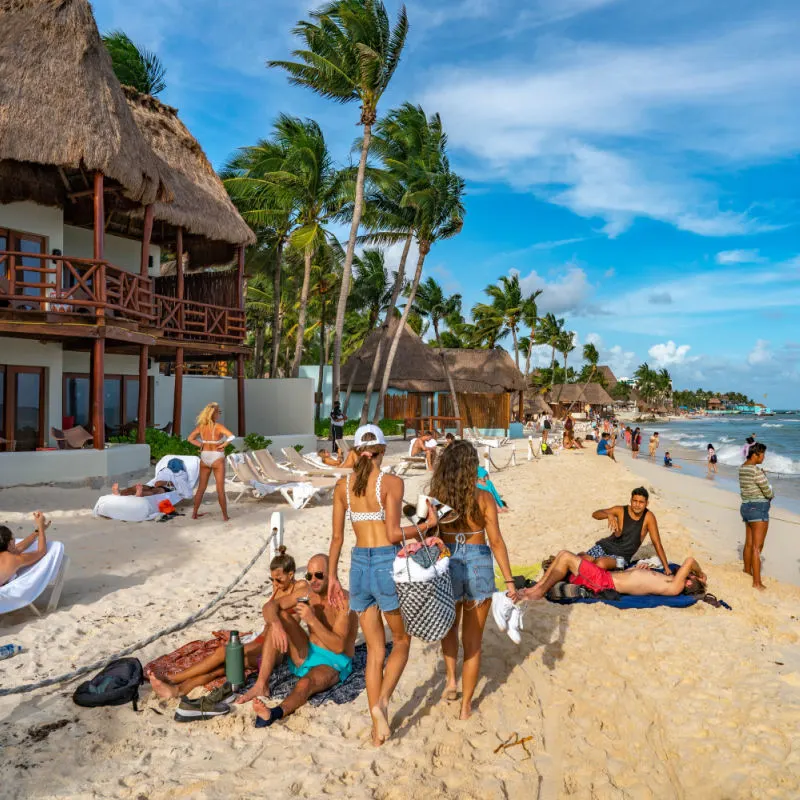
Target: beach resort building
{"x":97,"y":185}
{"x":578,"y":398}
{"x":488,"y":384}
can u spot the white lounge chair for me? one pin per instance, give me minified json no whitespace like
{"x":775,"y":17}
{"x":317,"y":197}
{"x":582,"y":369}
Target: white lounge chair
{"x":297,"y":493}
{"x":297,"y":463}
{"x":263,"y":462}
{"x":30,"y":583}
{"x":472,"y":435}
{"x":138,"y":509}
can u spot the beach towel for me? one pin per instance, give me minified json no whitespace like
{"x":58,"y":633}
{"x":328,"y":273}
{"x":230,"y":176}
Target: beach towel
{"x":30,"y":582}
{"x":530,"y":572}
{"x":488,"y":486}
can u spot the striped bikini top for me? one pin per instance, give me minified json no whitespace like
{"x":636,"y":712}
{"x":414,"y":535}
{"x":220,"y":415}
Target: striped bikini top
{"x":367,"y":516}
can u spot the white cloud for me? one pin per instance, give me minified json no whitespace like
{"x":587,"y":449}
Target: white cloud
{"x":669,"y":353}
{"x":739,"y":257}
{"x":760,"y":354}
{"x":622,"y":362}
{"x":610,"y":273}
{"x":568,"y":293}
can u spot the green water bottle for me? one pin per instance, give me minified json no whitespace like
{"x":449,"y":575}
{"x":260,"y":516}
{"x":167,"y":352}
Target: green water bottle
{"x":234,"y":661}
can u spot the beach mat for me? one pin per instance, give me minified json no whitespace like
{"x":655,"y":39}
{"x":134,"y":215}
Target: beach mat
{"x":282,"y":681}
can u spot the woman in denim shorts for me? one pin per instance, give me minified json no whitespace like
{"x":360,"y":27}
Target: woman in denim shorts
{"x":756,"y":497}
{"x":454,"y":483}
{"x":373,"y":503}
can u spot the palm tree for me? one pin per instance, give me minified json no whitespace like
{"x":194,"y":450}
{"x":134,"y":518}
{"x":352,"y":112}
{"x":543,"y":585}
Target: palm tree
{"x":349,"y":53}
{"x":432,"y":304}
{"x":647,"y":380}
{"x":529,"y":317}
{"x":565,"y":345}
{"x":509,"y":306}
{"x":592,"y":357}
{"x":134,"y":66}
{"x":550,"y":329}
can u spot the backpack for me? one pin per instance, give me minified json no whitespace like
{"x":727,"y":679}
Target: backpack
{"x":115,"y":685}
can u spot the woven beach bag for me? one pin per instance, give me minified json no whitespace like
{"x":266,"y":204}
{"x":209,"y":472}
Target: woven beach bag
{"x":428,"y":608}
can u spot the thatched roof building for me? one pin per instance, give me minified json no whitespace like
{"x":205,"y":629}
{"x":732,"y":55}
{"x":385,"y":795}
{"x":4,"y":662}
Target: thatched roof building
{"x":534,"y":403}
{"x":200,"y":205}
{"x":62,"y":108}
{"x":592,"y":394}
{"x":609,"y":378}
{"x":417,"y":367}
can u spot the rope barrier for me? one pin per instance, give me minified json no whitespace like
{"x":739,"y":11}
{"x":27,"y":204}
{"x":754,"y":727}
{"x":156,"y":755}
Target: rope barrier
{"x":512,"y":460}
{"x":99,"y":664}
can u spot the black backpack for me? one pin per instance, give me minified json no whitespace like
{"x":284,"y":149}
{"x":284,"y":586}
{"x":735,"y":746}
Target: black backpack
{"x":115,"y":685}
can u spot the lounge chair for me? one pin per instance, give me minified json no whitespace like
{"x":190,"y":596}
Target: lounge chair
{"x":73,"y":439}
{"x":297,"y":493}
{"x":30,"y":583}
{"x":306,"y":466}
{"x":270,"y":470}
{"x":345,"y":447}
{"x":472,"y":435}
{"x":138,"y":509}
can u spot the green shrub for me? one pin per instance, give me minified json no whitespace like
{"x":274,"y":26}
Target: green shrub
{"x":391,"y":427}
{"x":322,"y":428}
{"x":255,"y":441}
{"x":298,"y":447}
{"x":163,"y":444}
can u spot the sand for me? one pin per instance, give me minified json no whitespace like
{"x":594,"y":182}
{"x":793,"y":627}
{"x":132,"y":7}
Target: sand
{"x":663,"y":703}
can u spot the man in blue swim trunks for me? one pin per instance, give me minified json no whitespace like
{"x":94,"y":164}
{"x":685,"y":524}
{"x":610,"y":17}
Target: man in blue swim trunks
{"x":320,"y":658}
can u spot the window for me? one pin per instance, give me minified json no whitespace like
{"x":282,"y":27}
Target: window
{"x":120,"y":400}
{"x":22,"y":404}
{"x":24,"y":269}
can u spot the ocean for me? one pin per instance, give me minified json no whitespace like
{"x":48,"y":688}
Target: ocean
{"x":687,"y":441}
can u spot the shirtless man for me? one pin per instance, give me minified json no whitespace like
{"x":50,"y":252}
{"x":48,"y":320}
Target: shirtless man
{"x":424,"y":445}
{"x":335,"y":460}
{"x":320,"y":658}
{"x":13,"y":556}
{"x":689,"y":579}
{"x":629,"y":525}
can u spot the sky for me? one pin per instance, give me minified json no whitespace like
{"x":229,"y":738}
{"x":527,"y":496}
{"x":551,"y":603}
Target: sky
{"x":634,"y":159}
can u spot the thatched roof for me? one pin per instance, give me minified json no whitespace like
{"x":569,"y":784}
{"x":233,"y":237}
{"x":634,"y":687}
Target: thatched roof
{"x":534,"y":403}
{"x":62,"y":106}
{"x":593,"y":394}
{"x":418,"y":367}
{"x":608,"y":376}
{"x":200,"y":204}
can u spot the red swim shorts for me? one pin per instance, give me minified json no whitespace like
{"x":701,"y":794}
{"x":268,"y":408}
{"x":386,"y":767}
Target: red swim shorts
{"x":593,"y":577}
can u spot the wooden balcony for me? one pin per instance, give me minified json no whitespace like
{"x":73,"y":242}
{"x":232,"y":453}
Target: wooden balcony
{"x":44,"y":287}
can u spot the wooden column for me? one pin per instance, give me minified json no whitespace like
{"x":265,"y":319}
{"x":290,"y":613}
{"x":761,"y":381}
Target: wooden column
{"x":240,"y":277}
{"x":97,"y":359}
{"x":144,"y":352}
{"x":240,"y":394}
{"x":177,"y":401}
{"x":521,"y":411}
{"x":146,"y":236}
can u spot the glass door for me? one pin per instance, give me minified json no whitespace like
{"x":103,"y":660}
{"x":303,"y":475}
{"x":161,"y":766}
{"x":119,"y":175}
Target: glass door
{"x":29,"y":243}
{"x":26,"y":386}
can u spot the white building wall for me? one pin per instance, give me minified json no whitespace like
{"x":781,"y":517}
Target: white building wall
{"x":33,"y":218}
{"x":113,"y":363}
{"x":121,"y":252}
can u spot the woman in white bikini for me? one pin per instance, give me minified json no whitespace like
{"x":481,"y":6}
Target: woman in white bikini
{"x":211,"y":437}
{"x":373,"y":502}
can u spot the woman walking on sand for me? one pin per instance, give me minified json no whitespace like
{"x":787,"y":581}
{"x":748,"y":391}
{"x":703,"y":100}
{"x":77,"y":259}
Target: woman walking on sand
{"x":756,"y":495}
{"x":711,"y":458}
{"x":373,"y":502}
{"x":471,"y":567}
{"x":211,"y":437}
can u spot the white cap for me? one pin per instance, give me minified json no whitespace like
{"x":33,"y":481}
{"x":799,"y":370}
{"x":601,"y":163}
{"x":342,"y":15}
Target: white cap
{"x":365,"y":429}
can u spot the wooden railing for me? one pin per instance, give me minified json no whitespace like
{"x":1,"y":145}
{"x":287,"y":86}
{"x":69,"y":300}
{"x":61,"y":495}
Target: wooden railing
{"x":99,"y":289}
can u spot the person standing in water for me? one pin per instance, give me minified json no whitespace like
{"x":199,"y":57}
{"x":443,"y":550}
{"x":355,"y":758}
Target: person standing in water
{"x":211,"y":436}
{"x":756,"y":496}
{"x":711,"y":458}
{"x":373,"y":502}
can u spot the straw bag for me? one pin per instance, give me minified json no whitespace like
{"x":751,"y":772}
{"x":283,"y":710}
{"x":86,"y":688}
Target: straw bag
{"x":428,"y":608}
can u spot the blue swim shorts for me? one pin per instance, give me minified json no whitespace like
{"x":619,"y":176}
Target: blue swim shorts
{"x":755,"y":511}
{"x":320,"y":657}
{"x":597,"y":551}
{"x":371,"y":581}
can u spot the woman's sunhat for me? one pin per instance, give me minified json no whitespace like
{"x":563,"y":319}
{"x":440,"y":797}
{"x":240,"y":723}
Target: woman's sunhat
{"x":363,"y":431}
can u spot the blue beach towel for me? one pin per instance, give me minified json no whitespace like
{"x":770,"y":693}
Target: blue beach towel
{"x":483,"y":474}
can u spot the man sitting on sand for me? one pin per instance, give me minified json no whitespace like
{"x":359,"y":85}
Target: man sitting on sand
{"x":668,"y":461}
{"x":320,"y":658}
{"x":172,"y":478}
{"x":605,"y":447}
{"x":13,"y":556}
{"x":689,"y":579}
{"x":629,"y":526}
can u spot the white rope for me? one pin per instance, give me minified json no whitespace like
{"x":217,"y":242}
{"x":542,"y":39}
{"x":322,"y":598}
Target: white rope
{"x":512,"y":460}
{"x":68,"y":676}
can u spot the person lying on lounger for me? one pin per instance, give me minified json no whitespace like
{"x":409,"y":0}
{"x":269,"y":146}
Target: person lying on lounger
{"x":335,"y":460}
{"x":640,"y":580}
{"x":629,"y":525}
{"x":282,"y":570}
{"x":172,"y":478}
{"x":320,"y":658}
{"x":13,"y":556}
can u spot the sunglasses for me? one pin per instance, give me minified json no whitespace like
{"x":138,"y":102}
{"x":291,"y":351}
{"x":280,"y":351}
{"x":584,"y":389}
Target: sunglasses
{"x":320,"y":576}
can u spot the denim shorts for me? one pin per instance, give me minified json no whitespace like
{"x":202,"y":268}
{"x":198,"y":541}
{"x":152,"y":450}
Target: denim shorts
{"x":371,"y":581}
{"x":471,"y":571}
{"x":755,"y":512}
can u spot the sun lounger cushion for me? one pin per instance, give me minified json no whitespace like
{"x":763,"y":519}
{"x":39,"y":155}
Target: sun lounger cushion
{"x":30,"y":582}
{"x":138,"y":509}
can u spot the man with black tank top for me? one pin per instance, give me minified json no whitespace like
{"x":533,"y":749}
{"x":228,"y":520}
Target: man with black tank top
{"x":629,"y":526}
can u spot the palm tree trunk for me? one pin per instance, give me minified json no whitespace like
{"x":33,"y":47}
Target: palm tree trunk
{"x":528,"y":361}
{"x":553,"y":367}
{"x":424,"y":249}
{"x":350,"y":382}
{"x":258,"y":352}
{"x":561,"y":385}
{"x":516,"y":345}
{"x":347,"y":268}
{"x":276,"y":310}
{"x":398,"y":287}
{"x":301,"y":321}
{"x":321,"y":376}
{"x":447,"y":375}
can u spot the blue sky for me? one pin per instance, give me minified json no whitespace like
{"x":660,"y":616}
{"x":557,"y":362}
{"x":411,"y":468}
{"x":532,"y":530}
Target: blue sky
{"x":637,"y":160}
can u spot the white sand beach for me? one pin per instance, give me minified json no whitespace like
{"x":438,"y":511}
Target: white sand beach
{"x":662,"y":703}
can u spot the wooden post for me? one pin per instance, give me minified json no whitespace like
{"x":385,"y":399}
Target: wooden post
{"x":144,"y":352}
{"x":240,"y":277}
{"x":99,"y":217}
{"x":177,"y":401}
{"x":179,"y":278}
{"x":240,"y":393}
{"x":96,"y":388}
{"x":521,"y":412}
{"x":144,"y":264}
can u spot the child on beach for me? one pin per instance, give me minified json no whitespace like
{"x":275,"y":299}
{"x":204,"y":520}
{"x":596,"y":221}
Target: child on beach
{"x":653,"y":445}
{"x":636,"y":442}
{"x":668,"y":461}
{"x":711,"y":458}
